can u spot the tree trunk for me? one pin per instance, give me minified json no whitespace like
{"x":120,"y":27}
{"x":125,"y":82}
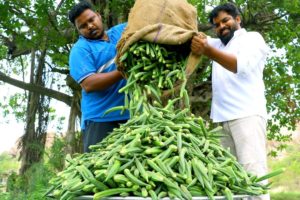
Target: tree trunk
{"x":73,"y":143}
{"x":32,"y":143}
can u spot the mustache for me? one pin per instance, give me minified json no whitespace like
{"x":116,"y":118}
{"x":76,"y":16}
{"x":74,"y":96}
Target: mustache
{"x":92,"y":31}
{"x":226,"y":38}
{"x":223,"y":29}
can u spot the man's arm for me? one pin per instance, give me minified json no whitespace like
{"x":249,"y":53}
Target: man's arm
{"x":101,"y":81}
{"x":200,"y":46}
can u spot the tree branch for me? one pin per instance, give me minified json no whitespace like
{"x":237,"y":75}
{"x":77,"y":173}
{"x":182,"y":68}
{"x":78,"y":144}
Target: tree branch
{"x":61,"y":71}
{"x":59,"y":5}
{"x":38,"y":89}
{"x":272,"y":18}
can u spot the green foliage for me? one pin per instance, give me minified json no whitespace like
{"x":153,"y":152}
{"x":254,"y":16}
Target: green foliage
{"x":201,"y":9}
{"x":289,"y":180}
{"x":282,"y":76}
{"x":285,"y":196}
{"x":279,"y":23}
{"x":32,"y":185}
{"x":15,"y":183}
{"x":8,"y":163}
{"x":4,"y":196}
{"x":55,"y":155}
{"x":38,"y":177}
{"x":122,"y":7}
{"x":3,"y":52}
{"x":8,"y":167}
{"x":17,"y":102}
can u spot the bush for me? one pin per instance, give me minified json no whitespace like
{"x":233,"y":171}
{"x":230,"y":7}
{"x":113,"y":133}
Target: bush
{"x":32,"y":185}
{"x":289,"y":180}
{"x":55,"y":155}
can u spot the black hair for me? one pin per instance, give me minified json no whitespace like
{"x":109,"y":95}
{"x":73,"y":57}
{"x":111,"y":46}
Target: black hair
{"x":77,"y":9}
{"x":230,"y":8}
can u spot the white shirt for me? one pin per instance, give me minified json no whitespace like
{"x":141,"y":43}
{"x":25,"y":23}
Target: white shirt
{"x":242,"y":94}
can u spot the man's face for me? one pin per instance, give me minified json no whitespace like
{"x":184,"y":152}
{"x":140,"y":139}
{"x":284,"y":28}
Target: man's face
{"x":226,"y":25}
{"x":89,"y":25}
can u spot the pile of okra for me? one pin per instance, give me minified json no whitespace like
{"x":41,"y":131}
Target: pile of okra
{"x":162,"y":151}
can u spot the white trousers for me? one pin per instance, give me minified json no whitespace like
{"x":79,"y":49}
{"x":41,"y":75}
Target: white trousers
{"x":246,"y":138}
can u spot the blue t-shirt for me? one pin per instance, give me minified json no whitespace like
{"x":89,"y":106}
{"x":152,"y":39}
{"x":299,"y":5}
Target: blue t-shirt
{"x":86,"y":58}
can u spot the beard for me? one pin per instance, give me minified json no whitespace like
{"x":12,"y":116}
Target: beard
{"x":102,"y":35}
{"x":226,"y":38}
{"x":96,"y":34}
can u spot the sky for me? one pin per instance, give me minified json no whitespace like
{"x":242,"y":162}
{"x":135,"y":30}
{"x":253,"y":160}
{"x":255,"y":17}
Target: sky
{"x":9,"y":133}
{"x":11,"y":130}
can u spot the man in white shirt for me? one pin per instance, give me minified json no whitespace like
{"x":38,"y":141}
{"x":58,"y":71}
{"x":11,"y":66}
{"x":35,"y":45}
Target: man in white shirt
{"x":238,"y":89}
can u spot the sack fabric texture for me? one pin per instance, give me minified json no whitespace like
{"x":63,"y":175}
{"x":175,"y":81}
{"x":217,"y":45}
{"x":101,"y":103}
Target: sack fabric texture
{"x":171,"y":22}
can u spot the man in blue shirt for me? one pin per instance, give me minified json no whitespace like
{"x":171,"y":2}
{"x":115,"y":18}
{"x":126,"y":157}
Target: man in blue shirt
{"x":92,"y":66}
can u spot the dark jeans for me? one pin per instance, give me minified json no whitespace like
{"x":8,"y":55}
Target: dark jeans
{"x":96,"y":131}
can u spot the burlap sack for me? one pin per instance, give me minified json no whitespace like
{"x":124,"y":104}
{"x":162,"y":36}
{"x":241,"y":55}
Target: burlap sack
{"x":171,"y":22}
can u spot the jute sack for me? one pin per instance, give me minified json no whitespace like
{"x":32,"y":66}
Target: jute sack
{"x":172,"y":22}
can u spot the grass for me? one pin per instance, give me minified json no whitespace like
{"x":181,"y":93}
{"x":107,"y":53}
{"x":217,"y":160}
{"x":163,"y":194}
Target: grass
{"x":285,"y":196}
{"x":288,"y":181}
{"x":286,"y":186}
{"x":8,"y":163}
